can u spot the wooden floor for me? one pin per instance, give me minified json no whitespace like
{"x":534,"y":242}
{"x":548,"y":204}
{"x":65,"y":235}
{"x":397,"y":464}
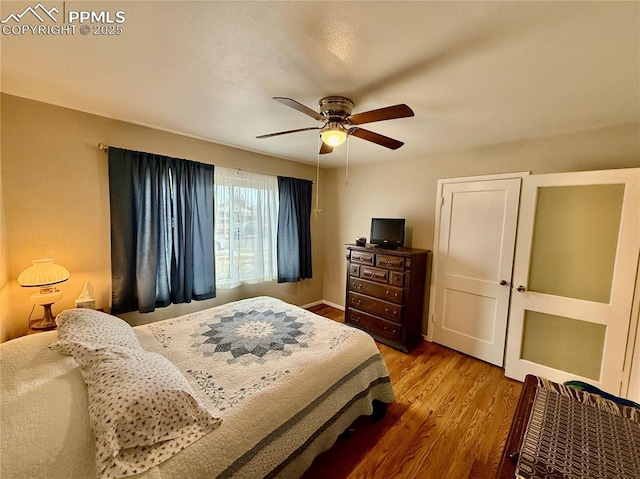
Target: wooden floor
{"x":450,"y":419}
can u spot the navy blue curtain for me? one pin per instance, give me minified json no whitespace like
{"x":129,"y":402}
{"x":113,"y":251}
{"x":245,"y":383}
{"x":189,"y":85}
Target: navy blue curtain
{"x":161,"y":231}
{"x":192,"y":271}
{"x":294,"y":229}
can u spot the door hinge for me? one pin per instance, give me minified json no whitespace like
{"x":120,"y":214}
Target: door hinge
{"x":442,"y":201}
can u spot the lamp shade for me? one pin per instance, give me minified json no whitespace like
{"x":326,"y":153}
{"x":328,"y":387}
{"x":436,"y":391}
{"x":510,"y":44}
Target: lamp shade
{"x":43,"y":272}
{"x":334,"y":134}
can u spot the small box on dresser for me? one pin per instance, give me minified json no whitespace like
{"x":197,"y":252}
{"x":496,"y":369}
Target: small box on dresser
{"x":385,"y":293}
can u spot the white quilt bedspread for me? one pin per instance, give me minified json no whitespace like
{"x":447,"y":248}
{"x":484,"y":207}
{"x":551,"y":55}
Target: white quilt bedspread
{"x":44,"y":420}
{"x":285,"y":381}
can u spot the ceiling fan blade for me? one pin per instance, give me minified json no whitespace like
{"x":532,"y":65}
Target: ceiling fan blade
{"x":376,"y":138}
{"x":269,"y":135}
{"x":324,"y":148}
{"x":300,"y":107}
{"x":387,"y":113}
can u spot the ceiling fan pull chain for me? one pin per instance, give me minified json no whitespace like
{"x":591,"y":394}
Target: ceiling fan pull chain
{"x":316,"y":209}
{"x":346,"y":171}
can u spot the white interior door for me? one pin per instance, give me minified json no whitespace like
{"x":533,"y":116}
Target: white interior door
{"x":475,"y":247}
{"x":574,"y":276}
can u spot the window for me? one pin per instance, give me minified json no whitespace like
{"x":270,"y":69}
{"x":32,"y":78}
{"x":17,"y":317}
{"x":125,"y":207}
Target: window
{"x":180,"y":229}
{"x":246,"y":227}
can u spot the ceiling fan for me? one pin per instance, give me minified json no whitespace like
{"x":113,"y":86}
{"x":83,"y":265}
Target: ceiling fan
{"x":335,"y":113}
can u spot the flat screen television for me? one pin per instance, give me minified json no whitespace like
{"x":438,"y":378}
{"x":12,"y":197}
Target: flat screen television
{"x":387,"y":232}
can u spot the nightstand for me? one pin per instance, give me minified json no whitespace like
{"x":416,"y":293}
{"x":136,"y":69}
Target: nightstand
{"x":30,"y":330}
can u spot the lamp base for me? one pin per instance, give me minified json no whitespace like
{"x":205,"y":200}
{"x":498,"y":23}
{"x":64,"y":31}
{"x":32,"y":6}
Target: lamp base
{"x":48,"y":321}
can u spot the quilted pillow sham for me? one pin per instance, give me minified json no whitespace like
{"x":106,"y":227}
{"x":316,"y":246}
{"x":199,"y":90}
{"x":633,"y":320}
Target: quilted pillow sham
{"x":141,"y":408}
{"x":93,"y":328}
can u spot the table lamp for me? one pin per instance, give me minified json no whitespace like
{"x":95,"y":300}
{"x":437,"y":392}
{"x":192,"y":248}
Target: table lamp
{"x":44,"y":274}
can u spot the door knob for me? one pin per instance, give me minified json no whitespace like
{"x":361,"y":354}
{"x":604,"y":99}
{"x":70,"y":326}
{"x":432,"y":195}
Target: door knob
{"x":503,"y":283}
{"x":520,"y":289}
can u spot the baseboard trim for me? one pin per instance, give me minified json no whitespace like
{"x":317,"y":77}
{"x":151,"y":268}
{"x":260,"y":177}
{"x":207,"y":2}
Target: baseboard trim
{"x":322,"y":301}
{"x":333,"y":305}
{"x":310,"y":305}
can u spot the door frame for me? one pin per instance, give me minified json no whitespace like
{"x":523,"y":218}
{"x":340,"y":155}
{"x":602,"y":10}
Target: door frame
{"x":630,"y":388}
{"x":436,"y":233}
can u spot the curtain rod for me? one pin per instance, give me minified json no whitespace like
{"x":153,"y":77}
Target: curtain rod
{"x":105,"y":148}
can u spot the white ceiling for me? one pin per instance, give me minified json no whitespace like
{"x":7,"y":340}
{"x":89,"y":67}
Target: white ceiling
{"x":475,"y":73}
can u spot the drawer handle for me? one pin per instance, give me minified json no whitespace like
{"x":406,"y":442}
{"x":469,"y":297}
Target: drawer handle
{"x":355,"y":320}
{"x":389,"y":263}
{"x":393,"y":331}
{"x":356,"y":286}
{"x":356,"y":301}
{"x":386,"y":310}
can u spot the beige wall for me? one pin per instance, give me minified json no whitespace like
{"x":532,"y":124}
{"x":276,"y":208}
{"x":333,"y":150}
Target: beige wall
{"x":56,"y":202}
{"x":408,"y":189}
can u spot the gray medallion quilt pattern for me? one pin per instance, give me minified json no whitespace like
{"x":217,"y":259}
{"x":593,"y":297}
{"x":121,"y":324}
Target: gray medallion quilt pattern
{"x":249,"y":336}
{"x":285,"y":382}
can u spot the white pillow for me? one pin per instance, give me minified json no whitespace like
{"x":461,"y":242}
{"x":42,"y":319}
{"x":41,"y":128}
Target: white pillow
{"x":93,"y":328}
{"x":141,"y":408}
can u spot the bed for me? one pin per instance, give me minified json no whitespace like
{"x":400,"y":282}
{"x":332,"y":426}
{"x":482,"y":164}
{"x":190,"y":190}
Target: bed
{"x":272,"y":386}
{"x":560,"y":431}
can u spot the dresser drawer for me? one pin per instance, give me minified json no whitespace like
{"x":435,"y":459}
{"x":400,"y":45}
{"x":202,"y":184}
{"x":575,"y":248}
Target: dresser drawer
{"x":384,"y":309}
{"x":391,"y":262}
{"x":374,"y":325}
{"x":374,"y":274}
{"x":354,"y":270}
{"x":363,"y":257}
{"x":396,"y":278}
{"x":388,"y":293}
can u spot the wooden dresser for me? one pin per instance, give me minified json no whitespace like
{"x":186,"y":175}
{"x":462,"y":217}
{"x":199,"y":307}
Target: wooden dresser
{"x":385,"y":293}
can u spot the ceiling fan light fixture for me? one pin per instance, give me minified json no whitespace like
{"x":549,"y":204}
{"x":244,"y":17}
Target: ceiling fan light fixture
{"x":335,"y":113}
{"x":334,"y":134}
